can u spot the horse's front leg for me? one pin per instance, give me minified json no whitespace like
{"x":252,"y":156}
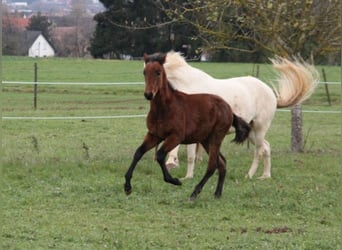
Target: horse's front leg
{"x":149,"y":142}
{"x":168,"y":145}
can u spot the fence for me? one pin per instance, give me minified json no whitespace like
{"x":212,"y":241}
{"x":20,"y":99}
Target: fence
{"x":35,"y":98}
{"x":36,"y":83}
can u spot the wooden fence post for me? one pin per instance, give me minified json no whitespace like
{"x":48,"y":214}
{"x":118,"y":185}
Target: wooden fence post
{"x":257,"y":71}
{"x":35,"y":89}
{"x":326,"y":86}
{"x":296,"y":129}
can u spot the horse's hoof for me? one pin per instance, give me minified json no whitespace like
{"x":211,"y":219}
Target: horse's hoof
{"x":217,"y":196}
{"x":192,"y":198}
{"x":264,"y":177}
{"x":248,"y":176}
{"x":170,"y":166}
{"x":177,"y":182}
{"x":128,"y":189}
{"x":186,"y":178}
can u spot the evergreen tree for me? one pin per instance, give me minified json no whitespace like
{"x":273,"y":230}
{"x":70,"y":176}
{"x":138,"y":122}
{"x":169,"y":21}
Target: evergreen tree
{"x":132,"y":27}
{"x":41,"y":23}
{"x":118,"y":29}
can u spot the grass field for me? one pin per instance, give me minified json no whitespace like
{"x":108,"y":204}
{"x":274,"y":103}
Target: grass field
{"x":62,"y":180}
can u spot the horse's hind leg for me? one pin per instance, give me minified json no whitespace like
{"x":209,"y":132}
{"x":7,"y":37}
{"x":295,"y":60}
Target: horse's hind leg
{"x":262,"y":150}
{"x":222,"y":175}
{"x":191,"y":150}
{"x":199,"y":152}
{"x":213,"y":163}
{"x":172,"y":161}
{"x":267,"y":161}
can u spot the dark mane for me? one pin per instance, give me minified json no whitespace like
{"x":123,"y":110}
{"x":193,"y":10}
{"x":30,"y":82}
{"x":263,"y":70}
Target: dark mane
{"x":156,"y":57}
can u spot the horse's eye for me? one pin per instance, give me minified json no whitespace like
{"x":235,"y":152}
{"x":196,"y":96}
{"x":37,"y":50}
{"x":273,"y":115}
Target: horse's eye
{"x":144,"y":72}
{"x":158,"y":73}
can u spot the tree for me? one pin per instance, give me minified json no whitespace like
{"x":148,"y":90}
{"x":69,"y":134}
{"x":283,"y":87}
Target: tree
{"x":118,"y":29}
{"x":41,"y":23}
{"x":83,"y":28}
{"x":133,"y":27}
{"x":12,"y":39}
{"x":285,"y":27}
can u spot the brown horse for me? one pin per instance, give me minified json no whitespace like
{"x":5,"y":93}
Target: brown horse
{"x":178,"y":118}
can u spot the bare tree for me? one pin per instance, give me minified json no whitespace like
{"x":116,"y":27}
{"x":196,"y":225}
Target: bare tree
{"x":284,"y":27}
{"x":11,"y":35}
{"x":73,"y":38}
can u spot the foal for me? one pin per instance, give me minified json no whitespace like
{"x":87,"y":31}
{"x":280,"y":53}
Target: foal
{"x":178,"y":118}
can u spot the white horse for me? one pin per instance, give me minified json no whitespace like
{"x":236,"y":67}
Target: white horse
{"x":249,"y":97}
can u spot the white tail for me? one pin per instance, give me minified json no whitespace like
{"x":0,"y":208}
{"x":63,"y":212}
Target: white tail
{"x":296,"y":82}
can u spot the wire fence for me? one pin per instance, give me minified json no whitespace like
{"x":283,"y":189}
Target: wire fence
{"x":105,"y":83}
{"x":38,"y":83}
{"x":128,"y":116}
{"x":73,"y":83}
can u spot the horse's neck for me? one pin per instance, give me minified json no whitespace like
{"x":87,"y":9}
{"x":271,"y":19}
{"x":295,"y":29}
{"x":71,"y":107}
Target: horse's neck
{"x":186,"y":78}
{"x":164,"y":97}
{"x":166,"y":90}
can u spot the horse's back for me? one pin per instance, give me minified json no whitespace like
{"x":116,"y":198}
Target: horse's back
{"x":247,"y":96}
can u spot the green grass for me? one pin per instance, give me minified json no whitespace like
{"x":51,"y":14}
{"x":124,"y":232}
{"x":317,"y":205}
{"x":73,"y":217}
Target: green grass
{"x":62,"y":180}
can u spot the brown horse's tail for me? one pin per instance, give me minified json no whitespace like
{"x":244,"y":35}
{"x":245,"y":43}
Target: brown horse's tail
{"x":296,"y":82}
{"x":242,"y":129}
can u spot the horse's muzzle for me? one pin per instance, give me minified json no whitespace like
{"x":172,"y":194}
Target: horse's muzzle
{"x":148,"y":96}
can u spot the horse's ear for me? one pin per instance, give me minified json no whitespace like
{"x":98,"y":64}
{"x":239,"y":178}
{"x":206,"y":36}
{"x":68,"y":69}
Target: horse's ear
{"x":162,"y":59}
{"x":146,"y":57}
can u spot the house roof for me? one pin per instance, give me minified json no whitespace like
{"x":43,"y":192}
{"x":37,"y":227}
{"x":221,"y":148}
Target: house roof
{"x":28,"y":38}
{"x":18,"y":22}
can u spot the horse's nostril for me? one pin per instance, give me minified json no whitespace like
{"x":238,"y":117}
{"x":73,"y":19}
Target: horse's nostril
{"x":148,"y":96}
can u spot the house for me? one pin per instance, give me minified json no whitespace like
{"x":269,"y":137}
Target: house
{"x":15,"y":21}
{"x":35,"y":45}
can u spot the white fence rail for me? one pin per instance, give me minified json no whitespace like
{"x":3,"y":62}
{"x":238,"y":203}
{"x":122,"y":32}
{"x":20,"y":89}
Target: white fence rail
{"x":73,"y":83}
{"x":127,"y":116}
{"x":104,"y":83}
{"x":116,"y":116}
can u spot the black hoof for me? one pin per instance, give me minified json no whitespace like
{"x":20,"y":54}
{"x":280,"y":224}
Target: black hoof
{"x":177,"y":182}
{"x":173,"y":181}
{"x":193,"y":197}
{"x":217,"y":196}
{"x":128,"y":189}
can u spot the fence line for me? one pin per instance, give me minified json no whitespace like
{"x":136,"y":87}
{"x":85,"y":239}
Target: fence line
{"x":125,"y":116}
{"x":114,"y":116}
{"x":74,"y":83}
{"x":104,"y":83}
{"x":70,"y":117}
{"x":314,"y":111}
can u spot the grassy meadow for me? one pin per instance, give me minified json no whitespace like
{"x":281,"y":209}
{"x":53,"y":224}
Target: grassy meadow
{"x":62,"y":179}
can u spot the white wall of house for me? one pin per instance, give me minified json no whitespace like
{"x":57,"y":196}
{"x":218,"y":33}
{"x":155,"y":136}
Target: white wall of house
{"x":41,"y":48}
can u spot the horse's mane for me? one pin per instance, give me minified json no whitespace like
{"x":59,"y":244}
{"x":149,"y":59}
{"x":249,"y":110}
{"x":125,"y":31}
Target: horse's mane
{"x":174,"y":60}
{"x":177,"y":69}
